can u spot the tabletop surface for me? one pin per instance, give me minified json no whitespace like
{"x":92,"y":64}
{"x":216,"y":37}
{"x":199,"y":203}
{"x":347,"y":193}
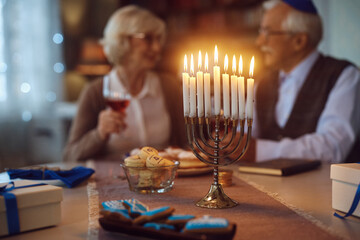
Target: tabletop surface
{"x":309,"y":194}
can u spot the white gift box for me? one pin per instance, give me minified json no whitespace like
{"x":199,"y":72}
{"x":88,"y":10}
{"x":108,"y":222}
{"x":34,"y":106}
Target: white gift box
{"x":345,"y":181}
{"x":38,"y":206}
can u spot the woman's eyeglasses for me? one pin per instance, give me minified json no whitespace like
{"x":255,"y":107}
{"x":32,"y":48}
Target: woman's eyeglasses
{"x":148,"y":37}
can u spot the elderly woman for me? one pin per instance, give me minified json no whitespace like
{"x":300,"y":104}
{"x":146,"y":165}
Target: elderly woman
{"x":132,"y":42}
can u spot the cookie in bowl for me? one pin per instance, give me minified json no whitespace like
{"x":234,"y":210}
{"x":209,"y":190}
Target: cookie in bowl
{"x":146,"y":152}
{"x":148,"y":172}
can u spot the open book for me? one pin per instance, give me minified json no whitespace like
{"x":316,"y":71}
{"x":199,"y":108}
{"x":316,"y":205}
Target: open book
{"x":280,"y":167}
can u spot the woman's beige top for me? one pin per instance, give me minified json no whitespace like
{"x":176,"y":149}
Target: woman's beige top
{"x":154,"y":118}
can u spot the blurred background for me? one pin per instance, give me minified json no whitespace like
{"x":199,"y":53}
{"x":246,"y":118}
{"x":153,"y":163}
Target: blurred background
{"x":49,"y":51}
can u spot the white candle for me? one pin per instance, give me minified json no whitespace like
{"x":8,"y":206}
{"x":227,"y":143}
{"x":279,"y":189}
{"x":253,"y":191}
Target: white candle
{"x":192,"y":89}
{"x":241,"y":91}
{"x":250,"y":91}
{"x":216,"y":84}
{"x":226,"y":97}
{"x":185,"y":79}
{"x":207,"y":88}
{"x":200,"y":88}
{"x":234,"y":98}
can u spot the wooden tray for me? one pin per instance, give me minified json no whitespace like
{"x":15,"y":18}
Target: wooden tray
{"x":114,"y":226}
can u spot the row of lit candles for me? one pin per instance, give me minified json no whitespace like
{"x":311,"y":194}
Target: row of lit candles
{"x":196,"y":89}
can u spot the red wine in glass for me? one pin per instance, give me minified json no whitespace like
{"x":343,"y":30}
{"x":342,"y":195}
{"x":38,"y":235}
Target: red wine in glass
{"x":117,"y":104}
{"x":115,"y":98}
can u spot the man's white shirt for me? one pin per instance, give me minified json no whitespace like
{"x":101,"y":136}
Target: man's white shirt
{"x":338,"y":124}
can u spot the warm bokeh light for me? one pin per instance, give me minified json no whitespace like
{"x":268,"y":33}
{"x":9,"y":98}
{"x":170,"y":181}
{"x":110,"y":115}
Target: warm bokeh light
{"x":234,"y":65}
{"x":240,"y":65}
{"x":216,"y":59}
{"x":199,"y":61}
{"x":251,"y":73}
{"x":185,"y":63}
{"x":206,"y":62}
{"x":226,"y":63}
{"x":192,"y":65}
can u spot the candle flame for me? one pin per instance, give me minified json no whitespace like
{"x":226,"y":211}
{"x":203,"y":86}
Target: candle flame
{"x":199,"y":61}
{"x":240,"y":65}
{"x":234,"y":65}
{"x":185,"y":63}
{"x":192,"y":65}
{"x":216,"y":56}
{"x":206,"y":62}
{"x":226,"y":63}
{"x":251,"y":72}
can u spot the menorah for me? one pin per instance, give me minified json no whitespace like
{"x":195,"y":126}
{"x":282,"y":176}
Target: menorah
{"x":215,"y":139}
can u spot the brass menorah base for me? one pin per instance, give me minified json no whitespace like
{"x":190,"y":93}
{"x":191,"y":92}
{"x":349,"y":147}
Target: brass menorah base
{"x":224,"y":153}
{"x":216,"y":198}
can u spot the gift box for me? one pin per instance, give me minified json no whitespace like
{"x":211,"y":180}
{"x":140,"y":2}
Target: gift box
{"x":36,"y":206}
{"x":345,"y":182}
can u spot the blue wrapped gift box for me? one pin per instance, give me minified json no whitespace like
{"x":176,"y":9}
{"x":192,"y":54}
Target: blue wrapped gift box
{"x":37,"y":206}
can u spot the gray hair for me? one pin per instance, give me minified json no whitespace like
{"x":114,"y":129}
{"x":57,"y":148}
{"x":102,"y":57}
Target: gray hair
{"x":298,"y":22}
{"x":125,"y":22}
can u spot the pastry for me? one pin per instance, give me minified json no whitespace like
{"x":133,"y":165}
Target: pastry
{"x":154,"y":215}
{"x":122,"y":217}
{"x":165,"y":160}
{"x":155,"y":161}
{"x":134,"y":161}
{"x":187,"y":159}
{"x":179,"y":221}
{"x":135,"y":207}
{"x":173,"y":152}
{"x":145,"y":152}
{"x":166,"y":155}
{"x":207,"y":224}
{"x":135,"y":151}
{"x":159,"y":226}
{"x":145,"y":178}
{"x":114,"y":206}
{"x":148,"y":169}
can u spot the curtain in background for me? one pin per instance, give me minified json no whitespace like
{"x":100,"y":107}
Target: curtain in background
{"x":31,"y":71}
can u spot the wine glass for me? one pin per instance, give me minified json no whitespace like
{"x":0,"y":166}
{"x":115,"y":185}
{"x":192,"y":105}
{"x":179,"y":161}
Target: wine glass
{"x":118,"y":100}
{"x":115,"y":98}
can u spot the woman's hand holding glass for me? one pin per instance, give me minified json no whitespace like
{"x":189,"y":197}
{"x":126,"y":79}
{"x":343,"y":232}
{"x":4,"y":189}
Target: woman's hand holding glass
{"x":112,"y":119}
{"x":109,"y":122}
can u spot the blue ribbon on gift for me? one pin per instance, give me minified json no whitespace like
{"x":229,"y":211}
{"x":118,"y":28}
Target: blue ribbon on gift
{"x":353,"y":205}
{"x":12,"y":214}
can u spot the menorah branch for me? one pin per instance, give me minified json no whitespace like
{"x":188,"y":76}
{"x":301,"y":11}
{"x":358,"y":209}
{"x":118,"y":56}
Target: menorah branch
{"x":229,"y":153}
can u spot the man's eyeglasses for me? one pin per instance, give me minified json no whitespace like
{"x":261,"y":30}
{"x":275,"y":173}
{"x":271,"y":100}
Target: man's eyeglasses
{"x":268,"y":32}
{"x":148,"y":37}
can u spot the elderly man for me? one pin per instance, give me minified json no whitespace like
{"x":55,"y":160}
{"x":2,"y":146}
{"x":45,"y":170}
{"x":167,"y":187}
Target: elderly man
{"x":307,"y":106}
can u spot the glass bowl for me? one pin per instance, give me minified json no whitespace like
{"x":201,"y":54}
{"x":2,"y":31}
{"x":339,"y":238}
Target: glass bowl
{"x":151,"y":179}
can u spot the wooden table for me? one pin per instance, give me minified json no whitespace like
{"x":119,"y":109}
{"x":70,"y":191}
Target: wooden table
{"x":308,"y":193}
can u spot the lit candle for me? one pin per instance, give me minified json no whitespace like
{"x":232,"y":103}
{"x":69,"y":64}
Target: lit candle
{"x":216,"y":83}
{"x":200,"y":88}
{"x":226,"y":97}
{"x":250,"y":91}
{"x":192,"y":89}
{"x":241,"y":90}
{"x":185,"y":79}
{"x":207,"y":88}
{"x":234,"y":98}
